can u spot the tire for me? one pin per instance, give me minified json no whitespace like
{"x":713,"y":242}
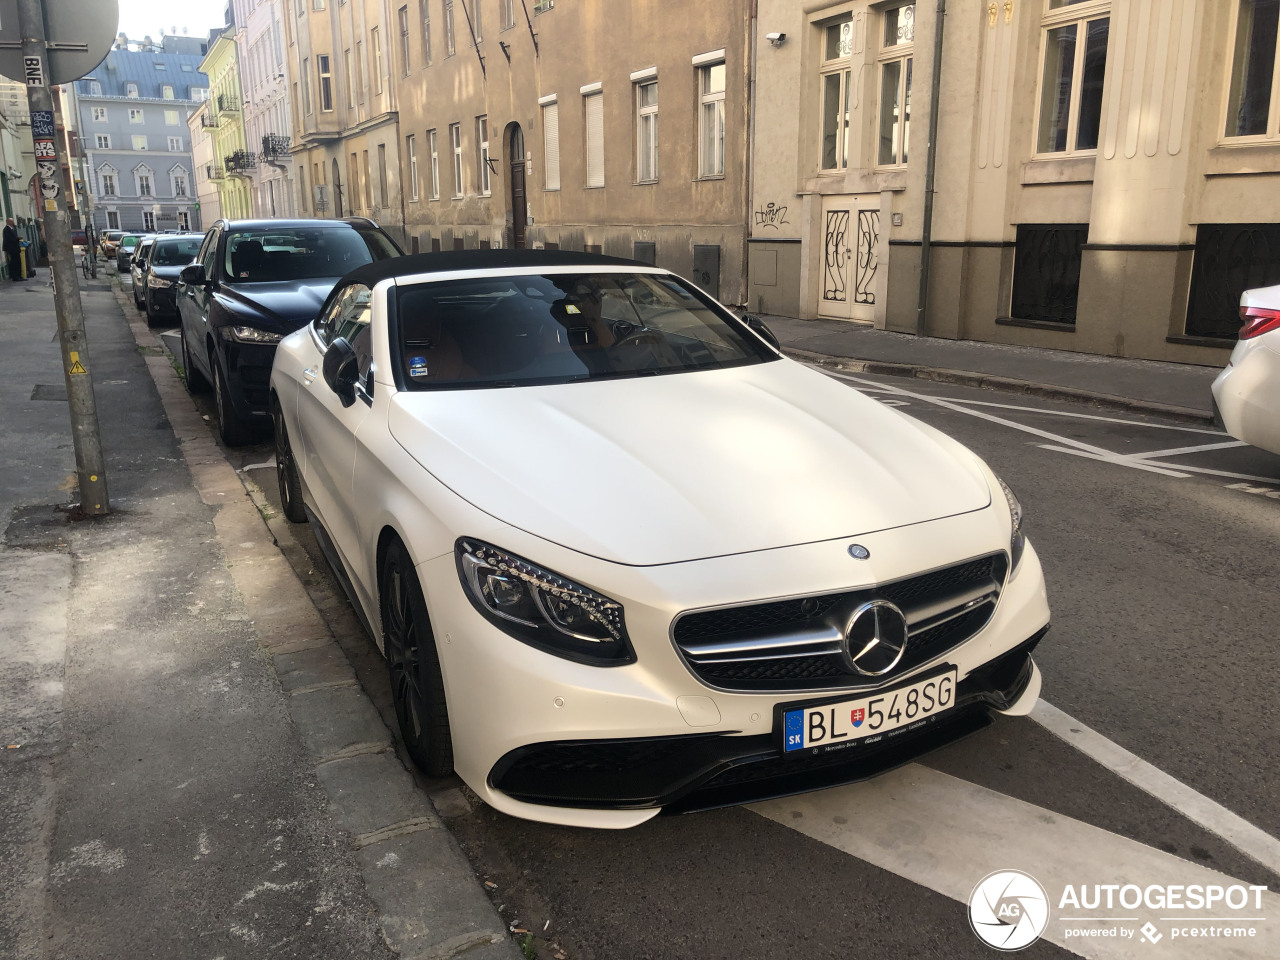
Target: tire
{"x":196,"y":382}
{"x":137,"y":302}
{"x":417,"y":687}
{"x":286,"y":469}
{"x":152,"y":319}
{"x":234,"y":431}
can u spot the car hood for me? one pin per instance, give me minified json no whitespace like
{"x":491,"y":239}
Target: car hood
{"x":682,"y":467}
{"x":286,"y":305}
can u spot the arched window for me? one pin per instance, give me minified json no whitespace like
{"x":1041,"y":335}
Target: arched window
{"x":179,"y":181}
{"x":107,"y":175}
{"x":143,"y":181}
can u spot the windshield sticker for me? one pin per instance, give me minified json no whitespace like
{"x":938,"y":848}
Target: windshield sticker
{"x":418,"y":367}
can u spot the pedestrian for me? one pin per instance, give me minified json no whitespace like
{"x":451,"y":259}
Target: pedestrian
{"x":12,"y":250}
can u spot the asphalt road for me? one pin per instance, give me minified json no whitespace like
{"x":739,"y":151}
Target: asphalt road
{"x":1161,"y":567}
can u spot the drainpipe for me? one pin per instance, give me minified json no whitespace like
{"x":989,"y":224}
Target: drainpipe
{"x":931,"y":164}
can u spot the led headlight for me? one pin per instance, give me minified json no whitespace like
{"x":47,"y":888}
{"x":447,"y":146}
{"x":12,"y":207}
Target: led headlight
{"x":158,"y":283}
{"x":1018,"y":539}
{"x":250,"y":335}
{"x":542,"y":608}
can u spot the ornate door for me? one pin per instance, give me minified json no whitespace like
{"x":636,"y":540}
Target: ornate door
{"x":850,"y":258}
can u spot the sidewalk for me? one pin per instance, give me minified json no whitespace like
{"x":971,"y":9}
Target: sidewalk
{"x":1142,"y":386}
{"x":187,"y":765}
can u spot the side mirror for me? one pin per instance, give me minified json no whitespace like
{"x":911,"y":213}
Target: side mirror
{"x":193,"y":275}
{"x":341,"y":370}
{"x":759,"y":326}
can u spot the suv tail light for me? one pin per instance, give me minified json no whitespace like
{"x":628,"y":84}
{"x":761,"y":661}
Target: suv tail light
{"x":1257,"y":321}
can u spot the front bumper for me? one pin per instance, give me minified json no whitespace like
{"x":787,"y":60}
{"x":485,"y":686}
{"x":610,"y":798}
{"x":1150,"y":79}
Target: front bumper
{"x":248,"y":371}
{"x":163,"y":301}
{"x":697,"y":772}
{"x":517,"y":712}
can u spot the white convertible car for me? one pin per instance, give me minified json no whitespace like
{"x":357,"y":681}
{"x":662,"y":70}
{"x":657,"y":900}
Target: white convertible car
{"x":624,"y":557}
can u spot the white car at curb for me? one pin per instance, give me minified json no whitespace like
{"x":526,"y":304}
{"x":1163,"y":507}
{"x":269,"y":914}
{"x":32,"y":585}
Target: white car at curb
{"x":623,"y":557}
{"x":1246,"y":394}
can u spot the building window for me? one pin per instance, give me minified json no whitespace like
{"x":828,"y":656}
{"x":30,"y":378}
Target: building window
{"x":113,"y":219}
{"x":711,"y":120}
{"x":184,"y":221}
{"x":593,"y":124}
{"x":434,"y":149}
{"x":482,"y":155}
{"x":104,"y":141}
{"x":1254,"y":74}
{"x":382,"y":176}
{"x":171,"y":118}
{"x":362,"y":86}
{"x":179,"y":184}
{"x":148,"y":221}
{"x":131,"y":90}
{"x":424,"y":13}
{"x":166,"y":92}
{"x":139,"y":143}
{"x":144,"y":185}
{"x":325,"y":76}
{"x":508,"y":14}
{"x":175,"y":145}
{"x":647,"y":131}
{"x":455,"y":140}
{"x":136,"y":115}
{"x":199,"y":94}
{"x":551,"y":145}
{"x":99,"y":114}
{"x":1046,"y":271}
{"x":347,"y":77}
{"x":475,"y":21}
{"x":317,"y":4}
{"x":411,"y":149}
{"x":836,"y":81}
{"x":95,"y":88}
{"x":306,"y":87}
{"x":450,"y":45}
{"x":108,"y":184}
{"x":897,"y":44}
{"x":404,"y":41}
{"x":1075,"y":60}
{"x":375,"y":40}
{"x":542,"y":6}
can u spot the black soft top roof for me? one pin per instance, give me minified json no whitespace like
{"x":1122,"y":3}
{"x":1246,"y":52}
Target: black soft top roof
{"x":450,"y":260}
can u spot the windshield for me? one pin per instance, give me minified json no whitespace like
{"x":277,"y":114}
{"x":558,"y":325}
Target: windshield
{"x":129,"y":242}
{"x":523,"y":330}
{"x":269,"y":255}
{"x":175,"y":253}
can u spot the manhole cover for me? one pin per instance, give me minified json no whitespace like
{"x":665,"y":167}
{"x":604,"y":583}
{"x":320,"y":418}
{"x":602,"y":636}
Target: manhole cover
{"x":49,"y":391}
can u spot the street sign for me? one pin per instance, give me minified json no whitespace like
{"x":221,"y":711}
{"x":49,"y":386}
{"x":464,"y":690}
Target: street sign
{"x":80,"y":33}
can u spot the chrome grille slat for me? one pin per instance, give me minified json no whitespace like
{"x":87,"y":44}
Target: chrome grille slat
{"x":795,"y":645}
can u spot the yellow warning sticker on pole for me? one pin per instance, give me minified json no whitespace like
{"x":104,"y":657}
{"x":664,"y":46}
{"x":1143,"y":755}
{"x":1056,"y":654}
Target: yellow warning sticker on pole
{"x":76,"y":366}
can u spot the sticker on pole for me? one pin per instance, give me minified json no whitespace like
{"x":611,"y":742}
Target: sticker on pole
{"x":33,"y":70}
{"x":42,"y":124}
{"x":77,"y":368}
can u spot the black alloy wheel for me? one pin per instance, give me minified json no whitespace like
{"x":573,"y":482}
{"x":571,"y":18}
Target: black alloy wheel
{"x":417,"y":687}
{"x":152,"y":319}
{"x":196,"y":382}
{"x":233,"y":430}
{"x":286,"y":469}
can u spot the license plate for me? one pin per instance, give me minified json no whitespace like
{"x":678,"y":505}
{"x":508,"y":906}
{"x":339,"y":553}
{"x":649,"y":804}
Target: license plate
{"x":866,"y":719}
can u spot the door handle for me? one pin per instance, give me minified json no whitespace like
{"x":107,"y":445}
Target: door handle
{"x":309,"y":375}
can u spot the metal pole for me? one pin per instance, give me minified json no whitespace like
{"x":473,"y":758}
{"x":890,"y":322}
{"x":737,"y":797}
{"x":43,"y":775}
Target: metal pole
{"x":49,"y":151}
{"x":931,"y":165}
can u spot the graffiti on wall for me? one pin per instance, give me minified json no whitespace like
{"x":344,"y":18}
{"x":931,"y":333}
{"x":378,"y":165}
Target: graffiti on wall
{"x":771,"y":215}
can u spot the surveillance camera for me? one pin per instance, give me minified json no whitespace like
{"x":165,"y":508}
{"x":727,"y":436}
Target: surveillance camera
{"x":777,"y":39}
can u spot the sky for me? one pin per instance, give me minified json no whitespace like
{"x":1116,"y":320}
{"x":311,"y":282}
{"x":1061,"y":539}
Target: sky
{"x":139,"y":18}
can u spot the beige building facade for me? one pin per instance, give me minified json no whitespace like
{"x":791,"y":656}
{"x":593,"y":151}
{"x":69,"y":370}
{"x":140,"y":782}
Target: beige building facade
{"x":1108,"y":171}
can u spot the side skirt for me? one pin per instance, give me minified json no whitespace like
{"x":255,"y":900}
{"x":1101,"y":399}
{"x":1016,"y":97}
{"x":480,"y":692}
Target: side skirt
{"x":339,"y":571}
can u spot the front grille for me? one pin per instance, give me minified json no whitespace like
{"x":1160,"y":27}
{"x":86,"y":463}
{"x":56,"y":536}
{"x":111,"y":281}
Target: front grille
{"x":795,"y":644}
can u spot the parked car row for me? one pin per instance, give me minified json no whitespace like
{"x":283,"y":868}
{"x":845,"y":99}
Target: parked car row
{"x":620,"y":554}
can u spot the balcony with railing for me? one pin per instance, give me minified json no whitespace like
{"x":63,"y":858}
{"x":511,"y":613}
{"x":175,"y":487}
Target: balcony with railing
{"x":209,"y":120}
{"x":228,"y":103}
{"x":275,"y":147}
{"x":240,"y":162}
{"x":214,"y":172}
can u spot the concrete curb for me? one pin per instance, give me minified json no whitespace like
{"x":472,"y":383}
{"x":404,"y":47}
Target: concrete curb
{"x":432,"y":906}
{"x":990,"y":381}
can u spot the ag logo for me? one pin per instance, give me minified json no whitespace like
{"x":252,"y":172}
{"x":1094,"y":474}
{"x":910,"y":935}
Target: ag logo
{"x":1008,"y":910}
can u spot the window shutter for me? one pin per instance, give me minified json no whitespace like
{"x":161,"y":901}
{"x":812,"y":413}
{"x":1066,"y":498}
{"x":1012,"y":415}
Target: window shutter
{"x":551,"y":144}
{"x":595,"y":140}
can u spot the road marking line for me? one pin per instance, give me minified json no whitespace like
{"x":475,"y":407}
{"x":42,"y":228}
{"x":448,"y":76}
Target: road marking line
{"x":1180,"y":451}
{"x":1098,"y":453}
{"x":947,"y":834}
{"x":1115,"y":459}
{"x":1087,"y":416}
{"x":1183,"y":470}
{"x":1254,"y":843}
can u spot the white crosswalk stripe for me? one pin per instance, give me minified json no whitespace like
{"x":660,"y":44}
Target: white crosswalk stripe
{"x":947,"y":834}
